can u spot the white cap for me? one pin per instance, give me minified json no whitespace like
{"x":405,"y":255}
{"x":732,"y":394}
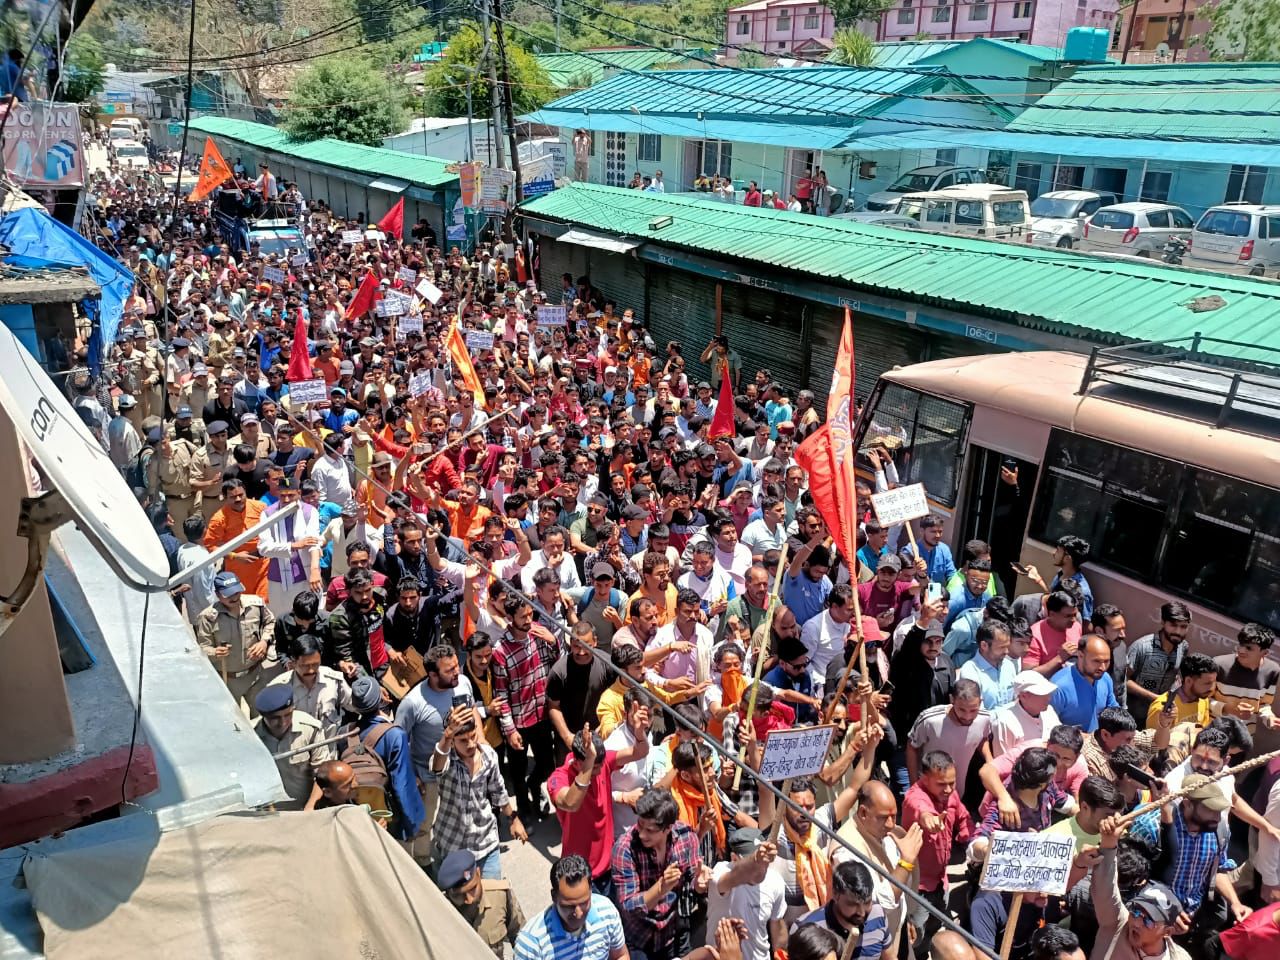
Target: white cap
{"x":1037,"y":684}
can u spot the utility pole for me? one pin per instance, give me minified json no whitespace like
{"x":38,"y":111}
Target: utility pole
{"x":506,"y":100}
{"x":558,"y":8}
{"x":494,"y":103}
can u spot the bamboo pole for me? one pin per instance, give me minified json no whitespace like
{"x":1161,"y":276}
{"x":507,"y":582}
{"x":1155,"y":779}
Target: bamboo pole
{"x":760,"y":655}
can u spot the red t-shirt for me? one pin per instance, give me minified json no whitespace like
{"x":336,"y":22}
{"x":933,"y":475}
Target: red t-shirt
{"x":589,"y":830}
{"x":876,"y":601}
{"x":1255,"y":937}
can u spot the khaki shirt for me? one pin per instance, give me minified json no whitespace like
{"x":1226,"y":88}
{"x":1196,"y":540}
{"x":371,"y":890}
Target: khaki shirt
{"x":197,"y":397}
{"x":216,"y":626}
{"x":176,"y":472}
{"x":297,"y":772}
{"x":325,"y":701}
{"x":265,"y":448}
{"x":210,"y":463}
{"x":497,"y":916}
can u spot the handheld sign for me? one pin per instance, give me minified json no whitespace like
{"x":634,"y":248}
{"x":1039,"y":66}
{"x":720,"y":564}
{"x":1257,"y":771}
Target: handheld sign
{"x":1028,"y":863}
{"x":273,"y":274}
{"x":419,"y":383}
{"x":479,"y":341}
{"x":390,"y":307}
{"x":406,"y":325}
{"x":309,"y":391}
{"x":900,"y":504}
{"x":795,"y":752}
{"x":300,"y":260}
{"x":550,"y":315}
{"x":408,"y":274}
{"x":430,"y":291}
{"x":352,"y":236}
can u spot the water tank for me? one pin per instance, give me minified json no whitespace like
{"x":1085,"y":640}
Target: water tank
{"x":1086,"y":45}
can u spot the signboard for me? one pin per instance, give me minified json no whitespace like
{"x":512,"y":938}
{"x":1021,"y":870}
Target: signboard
{"x":497,"y":190}
{"x":174,"y":128}
{"x":900,"y":504}
{"x":390,"y":307}
{"x":430,"y":292}
{"x":300,"y":260}
{"x":309,"y":391}
{"x":352,"y":236}
{"x":458,"y":232}
{"x":117,"y":96}
{"x":419,"y":383}
{"x":273,"y":275}
{"x":1028,"y":863}
{"x":795,"y":752}
{"x":479,"y":340}
{"x":469,"y":185}
{"x":408,"y":275}
{"x":538,"y":188}
{"x":552,"y":315}
{"x":43,"y":147}
{"x":407,"y":325}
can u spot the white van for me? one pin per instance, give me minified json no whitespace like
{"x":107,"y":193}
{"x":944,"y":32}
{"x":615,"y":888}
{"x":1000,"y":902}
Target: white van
{"x":974,"y":209}
{"x":131,"y":155}
{"x":125,"y":128}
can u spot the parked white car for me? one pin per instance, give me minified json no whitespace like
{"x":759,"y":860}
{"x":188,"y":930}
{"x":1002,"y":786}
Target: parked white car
{"x":922,"y":180}
{"x":1135,"y":229}
{"x":1242,"y":238}
{"x":1057,"y":217}
{"x":132,"y":155}
{"x":974,"y":210}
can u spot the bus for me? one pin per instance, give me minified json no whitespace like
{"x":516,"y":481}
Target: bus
{"x":1167,"y":463}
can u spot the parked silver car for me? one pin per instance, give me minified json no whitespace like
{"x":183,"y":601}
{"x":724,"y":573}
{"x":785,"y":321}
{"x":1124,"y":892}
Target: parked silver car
{"x":1057,"y":217}
{"x":1241,"y":238}
{"x":1135,"y":229}
{"x":923,"y":180}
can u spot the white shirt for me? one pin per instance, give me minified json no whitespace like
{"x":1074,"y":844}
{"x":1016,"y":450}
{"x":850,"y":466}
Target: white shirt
{"x":824,"y":639}
{"x":276,"y":541}
{"x":569,"y":579}
{"x":333,"y":479}
{"x":631,"y":776}
{"x":1011,"y":725}
{"x":1267,"y":860}
{"x":735,"y":564}
{"x":123,"y":442}
{"x":709,"y":591}
{"x":335,"y":534}
{"x":757,"y":904}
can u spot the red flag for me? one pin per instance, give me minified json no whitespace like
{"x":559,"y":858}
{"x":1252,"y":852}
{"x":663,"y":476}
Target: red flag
{"x":722,"y":423}
{"x":393,"y":221}
{"x":828,"y":454}
{"x":299,"y":356}
{"x":368,"y":294}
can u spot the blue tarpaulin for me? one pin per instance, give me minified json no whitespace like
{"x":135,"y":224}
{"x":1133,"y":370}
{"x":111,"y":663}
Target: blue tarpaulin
{"x":32,"y":235}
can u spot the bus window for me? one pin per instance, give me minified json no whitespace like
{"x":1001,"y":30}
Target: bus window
{"x":926,"y":435}
{"x":1113,"y":497}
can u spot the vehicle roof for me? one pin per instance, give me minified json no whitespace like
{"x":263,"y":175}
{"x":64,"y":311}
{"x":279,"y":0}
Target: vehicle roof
{"x":870,"y":216}
{"x":1075,"y":194}
{"x":937,"y":168}
{"x":1141,"y":206}
{"x":985,"y":190}
{"x":129,"y":143}
{"x":1246,"y":207}
{"x":1047,"y":382}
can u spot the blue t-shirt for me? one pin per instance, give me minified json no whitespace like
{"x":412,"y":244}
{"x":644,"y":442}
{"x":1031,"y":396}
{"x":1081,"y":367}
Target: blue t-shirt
{"x":1077,"y":701}
{"x":781,"y":680}
{"x":804,"y":596}
{"x":336,"y":422}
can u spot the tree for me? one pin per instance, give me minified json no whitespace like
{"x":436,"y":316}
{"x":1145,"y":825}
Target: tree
{"x":83,"y":74}
{"x":852,"y":48}
{"x":462,"y":67}
{"x":849,"y":12}
{"x":345,"y":99}
{"x":1244,"y":30}
{"x":749,"y":58}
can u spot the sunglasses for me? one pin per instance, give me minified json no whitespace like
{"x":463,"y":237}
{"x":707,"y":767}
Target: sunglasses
{"x":1139,"y":914}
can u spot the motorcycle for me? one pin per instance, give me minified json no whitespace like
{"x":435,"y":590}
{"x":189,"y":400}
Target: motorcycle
{"x":1175,"y":248}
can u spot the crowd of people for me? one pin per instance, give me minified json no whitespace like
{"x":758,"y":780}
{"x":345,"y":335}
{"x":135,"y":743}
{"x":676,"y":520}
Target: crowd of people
{"x":533,"y":580}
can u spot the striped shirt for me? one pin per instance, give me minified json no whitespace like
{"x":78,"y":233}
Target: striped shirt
{"x":545,"y":938}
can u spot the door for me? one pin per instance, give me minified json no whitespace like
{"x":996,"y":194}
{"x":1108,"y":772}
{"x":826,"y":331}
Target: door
{"x":1110,"y":180}
{"x":799,"y":164}
{"x":615,"y":159}
{"x":996,"y":506}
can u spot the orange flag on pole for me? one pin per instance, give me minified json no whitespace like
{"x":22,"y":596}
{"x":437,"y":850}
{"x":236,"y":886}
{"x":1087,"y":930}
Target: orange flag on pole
{"x":462,"y":365}
{"x":828,"y":453}
{"x":213,"y":172}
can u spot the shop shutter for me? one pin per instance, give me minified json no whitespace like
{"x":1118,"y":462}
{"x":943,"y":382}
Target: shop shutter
{"x":878,"y":345}
{"x":682,"y":307}
{"x":556,"y":258}
{"x":945,"y":346}
{"x":622,"y":279}
{"x":765,"y":329}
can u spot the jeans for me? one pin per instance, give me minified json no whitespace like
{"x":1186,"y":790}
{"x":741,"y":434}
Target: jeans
{"x":526,"y":784}
{"x":491,"y":865}
{"x":675,"y":948}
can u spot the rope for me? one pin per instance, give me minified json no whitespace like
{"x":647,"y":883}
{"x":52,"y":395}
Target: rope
{"x":1177,"y":794}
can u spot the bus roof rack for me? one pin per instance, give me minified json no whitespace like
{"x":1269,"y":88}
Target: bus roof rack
{"x":1188,"y":371}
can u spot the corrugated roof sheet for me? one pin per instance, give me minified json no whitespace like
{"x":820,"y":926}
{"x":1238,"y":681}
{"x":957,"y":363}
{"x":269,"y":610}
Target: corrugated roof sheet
{"x":1177,"y":89}
{"x":1042,"y":288}
{"x":568,"y":69}
{"x":427,"y":172}
{"x":906,"y":52}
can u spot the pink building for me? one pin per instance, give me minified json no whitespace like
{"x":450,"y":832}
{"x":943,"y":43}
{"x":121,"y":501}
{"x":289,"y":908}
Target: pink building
{"x":1162,"y":31}
{"x":786,"y":28}
{"x":1042,"y":22}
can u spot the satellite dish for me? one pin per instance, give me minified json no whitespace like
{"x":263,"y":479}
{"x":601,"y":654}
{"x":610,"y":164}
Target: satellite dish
{"x":86,"y":486}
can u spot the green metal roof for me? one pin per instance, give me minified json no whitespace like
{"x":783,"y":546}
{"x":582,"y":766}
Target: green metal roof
{"x":429,"y":172}
{"x":568,"y":69}
{"x":1042,"y":288}
{"x":904,"y":53}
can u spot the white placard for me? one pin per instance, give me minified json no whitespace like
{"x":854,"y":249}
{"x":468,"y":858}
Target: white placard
{"x":1028,"y":863}
{"x":390,"y":307}
{"x":273,"y":275}
{"x":479,"y":340}
{"x":900,"y":504}
{"x":300,"y":260}
{"x":409,"y":325}
{"x":550,"y":315}
{"x":408,"y":274}
{"x":419,"y":383}
{"x":309,"y":391}
{"x":429,"y":291}
{"x":795,"y":752}
{"x":352,"y":236}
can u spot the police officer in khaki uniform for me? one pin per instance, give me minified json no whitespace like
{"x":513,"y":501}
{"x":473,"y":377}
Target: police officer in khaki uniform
{"x":252,"y":435}
{"x":150,"y":375}
{"x":282,"y":729}
{"x":211,"y":461}
{"x":200,"y":390}
{"x":237,"y":632}
{"x":186,"y":426}
{"x":173,"y":471}
{"x":490,"y":906}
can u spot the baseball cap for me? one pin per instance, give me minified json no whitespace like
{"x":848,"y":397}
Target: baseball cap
{"x":744,"y":841}
{"x":632,"y":512}
{"x":1028,"y":681}
{"x":1205,"y":791}
{"x":602,"y":570}
{"x":889,"y":562}
{"x":126,"y":402}
{"x":184,"y":413}
{"x":1157,"y":901}
{"x":227,"y":584}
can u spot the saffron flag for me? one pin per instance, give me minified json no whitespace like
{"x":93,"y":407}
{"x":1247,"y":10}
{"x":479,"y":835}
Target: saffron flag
{"x":366,"y":296}
{"x":828,"y":454}
{"x":722,"y":423}
{"x":393,"y":221}
{"x":213,"y":172}
{"x":462,"y":365}
{"x":299,"y":355}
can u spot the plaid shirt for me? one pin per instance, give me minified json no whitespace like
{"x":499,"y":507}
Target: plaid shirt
{"x":1196,"y":859}
{"x":1032,"y":820}
{"x":519,"y":670}
{"x":636,"y":869}
{"x":466,"y":820}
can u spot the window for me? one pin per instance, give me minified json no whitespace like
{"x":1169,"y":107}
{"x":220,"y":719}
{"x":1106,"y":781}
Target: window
{"x":1006,"y":212}
{"x":1022,"y":10}
{"x":1068,"y":176}
{"x":784,"y":20}
{"x":906,"y":14}
{"x":1244,"y":184}
{"x":1027,"y":177}
{"x":969,"y":213}
{"x":812,"y":21}
{"x":715,"y":157}
{"x":937,"y":211}
{"x":1181,"y":219}
{"x":932,"y":431}
{"x":1113,"y":219}
{"x":942,"y":13}
{"x":979,"y":11}
{"x":649,"y":148}
{"x":1273,"y":226}
{"x":1155,"y":185}
{"x":744,"y":27}
{"x":1158,"y":218}
{"x":947,"y":157}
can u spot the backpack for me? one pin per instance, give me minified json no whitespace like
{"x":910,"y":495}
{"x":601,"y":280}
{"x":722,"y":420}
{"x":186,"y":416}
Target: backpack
{"x":360,"y":753}
{"x":617,"y":600}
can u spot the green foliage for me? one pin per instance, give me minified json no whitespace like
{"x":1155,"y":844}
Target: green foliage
{"x":750,"y":58}
{"x":461,"y":67}
{"x":346,"y":99}
{"x":852,"y":11}
{"x":1244,"y":30}
{"x":83,"y":74}
{"x":852,"y":49}
{"x":595,"y":23}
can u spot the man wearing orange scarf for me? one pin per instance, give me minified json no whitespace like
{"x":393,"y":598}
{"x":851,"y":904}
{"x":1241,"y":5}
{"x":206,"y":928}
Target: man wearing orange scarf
{"x":696,"y":796}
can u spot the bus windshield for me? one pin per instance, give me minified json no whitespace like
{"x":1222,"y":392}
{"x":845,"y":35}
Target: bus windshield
{"x":924,"y":433}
